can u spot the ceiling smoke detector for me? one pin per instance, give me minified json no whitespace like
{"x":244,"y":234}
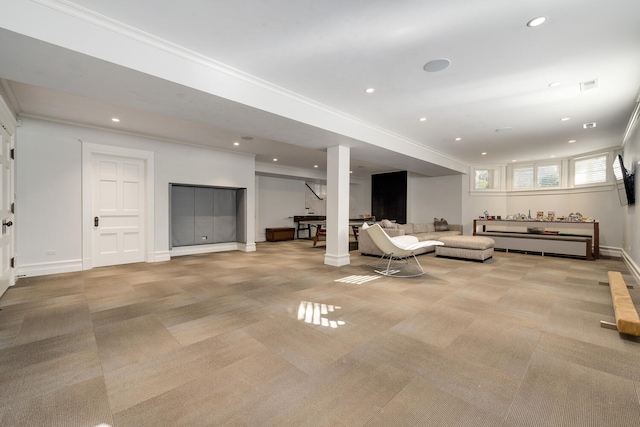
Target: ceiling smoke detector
{"x":591,"y":84}
{"x":589,"y":125}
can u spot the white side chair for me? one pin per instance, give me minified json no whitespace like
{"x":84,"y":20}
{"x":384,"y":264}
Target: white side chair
{"x":400,"y":248}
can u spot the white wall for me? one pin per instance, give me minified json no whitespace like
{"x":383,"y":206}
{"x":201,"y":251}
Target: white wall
{"x":49,"y":185}
{"x":601,"y":203}
{"x":449,"y":197}
{"x":434,"y":197}
{"x":360,"y":197}
{"x":631,"y":214}
{"x":280,"y":198}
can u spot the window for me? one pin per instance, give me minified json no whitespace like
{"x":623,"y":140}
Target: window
{"x":548,"y":176}
{"x":527,"y":177}
{"x":523,"y":177}
{"x":591,"y":170}
{"x":486,"y":179}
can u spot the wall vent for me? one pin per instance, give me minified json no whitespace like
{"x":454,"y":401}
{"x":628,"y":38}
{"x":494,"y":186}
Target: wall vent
{"x":591,"y":84}
{"x":589,"y":125}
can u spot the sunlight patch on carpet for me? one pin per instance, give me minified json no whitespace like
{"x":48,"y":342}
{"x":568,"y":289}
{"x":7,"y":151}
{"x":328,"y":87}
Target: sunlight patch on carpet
{"x":358,"y":280}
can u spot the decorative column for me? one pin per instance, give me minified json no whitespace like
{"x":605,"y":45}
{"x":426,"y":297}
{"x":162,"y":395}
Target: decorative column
{"x":337,"y":252}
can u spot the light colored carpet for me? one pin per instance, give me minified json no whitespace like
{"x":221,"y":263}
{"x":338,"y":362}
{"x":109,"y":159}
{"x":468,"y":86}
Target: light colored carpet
{"x":225,"y":339}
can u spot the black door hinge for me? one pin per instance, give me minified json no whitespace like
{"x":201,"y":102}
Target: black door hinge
{"x":13,"y":208}
{"x":12,"y":153}
{"x":13,"y":262}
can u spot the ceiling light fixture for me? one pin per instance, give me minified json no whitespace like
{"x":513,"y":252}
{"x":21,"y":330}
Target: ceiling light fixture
{"x":436,"y":65}
{"x":236,"y":143}
{"x":484,"y":153}
{"x":554,"y":84}
{"x":115,"y":120}
{"x":565,"y":119}
{"x":315,"y":166}
{"x":423,"y":119}
{"x":275,"y":160}
{"x":535,"y":22}
{"x":370,"y":90}
{"x":571,"y":141}
{"x":458,"y":139}
{"x":589,"y":125}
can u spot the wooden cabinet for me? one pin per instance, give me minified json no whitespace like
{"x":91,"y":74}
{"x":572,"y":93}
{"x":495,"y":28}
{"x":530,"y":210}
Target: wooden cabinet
{"x":279,"y":234}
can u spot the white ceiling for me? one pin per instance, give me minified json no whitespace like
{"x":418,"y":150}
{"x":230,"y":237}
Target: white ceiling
{"x":329,"y":52}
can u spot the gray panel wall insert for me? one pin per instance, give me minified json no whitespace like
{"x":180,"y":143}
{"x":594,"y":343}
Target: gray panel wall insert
{"x":204,"y":215}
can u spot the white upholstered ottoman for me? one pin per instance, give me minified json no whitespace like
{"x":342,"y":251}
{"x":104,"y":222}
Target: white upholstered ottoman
{"x":467,"y":247}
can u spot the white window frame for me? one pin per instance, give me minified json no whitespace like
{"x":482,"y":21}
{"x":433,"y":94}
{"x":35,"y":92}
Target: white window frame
{"x":607,"y":170}
{"x":496,"y":181}
{"x":535,"y":166}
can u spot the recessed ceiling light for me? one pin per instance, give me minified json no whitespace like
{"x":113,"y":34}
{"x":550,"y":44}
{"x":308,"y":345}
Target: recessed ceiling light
{"x":554,"y":84}
{"x":115,"y":120}
{"x":315,"y":166}
{"x":571,"y":141}
{"x":423,"y":119}
{"x":565,"y":119}
{"x":553,"y":157}
{"x":236,"y":143}
{"x":275,"y":160}
{"x":370,"y":90}
{"x":484,"y":154}
{"x":458,"y":139}
{"x":537,"y":21}
{"x":436,"y":65}
{"x":513,"y":161}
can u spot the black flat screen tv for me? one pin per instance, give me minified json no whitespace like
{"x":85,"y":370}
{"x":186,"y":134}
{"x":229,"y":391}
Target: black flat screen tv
{"x":625,"y":182}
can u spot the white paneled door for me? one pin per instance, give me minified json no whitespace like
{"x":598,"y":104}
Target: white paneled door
{"x":6,"y":210}
{"x":118,"y":198}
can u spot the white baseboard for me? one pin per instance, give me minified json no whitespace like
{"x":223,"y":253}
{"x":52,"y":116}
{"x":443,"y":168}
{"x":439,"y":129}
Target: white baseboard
{"x":161,"y":256}
{"x":247,"y":247}
{"x":337,"y":260}
{"x":46,"y":268}
{"x":611,"y":251}
{"x":204,"y":249}
{"x":633,"y":267}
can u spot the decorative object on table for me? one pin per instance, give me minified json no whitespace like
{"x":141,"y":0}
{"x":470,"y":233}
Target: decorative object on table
{"x":551,"y":215}
{"x":539,"y":214}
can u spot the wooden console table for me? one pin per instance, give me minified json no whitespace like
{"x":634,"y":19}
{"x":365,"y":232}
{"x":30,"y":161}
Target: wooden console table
{"x":560,"y":235}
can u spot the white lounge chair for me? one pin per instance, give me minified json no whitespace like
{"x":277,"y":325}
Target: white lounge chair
{"x":396,"y":248}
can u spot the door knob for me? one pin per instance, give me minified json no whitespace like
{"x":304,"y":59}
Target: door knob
{"x":96,"y":221}
{"x":8,"y":223}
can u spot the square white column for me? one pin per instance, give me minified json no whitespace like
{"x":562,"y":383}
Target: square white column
{"x":338,"y":180}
